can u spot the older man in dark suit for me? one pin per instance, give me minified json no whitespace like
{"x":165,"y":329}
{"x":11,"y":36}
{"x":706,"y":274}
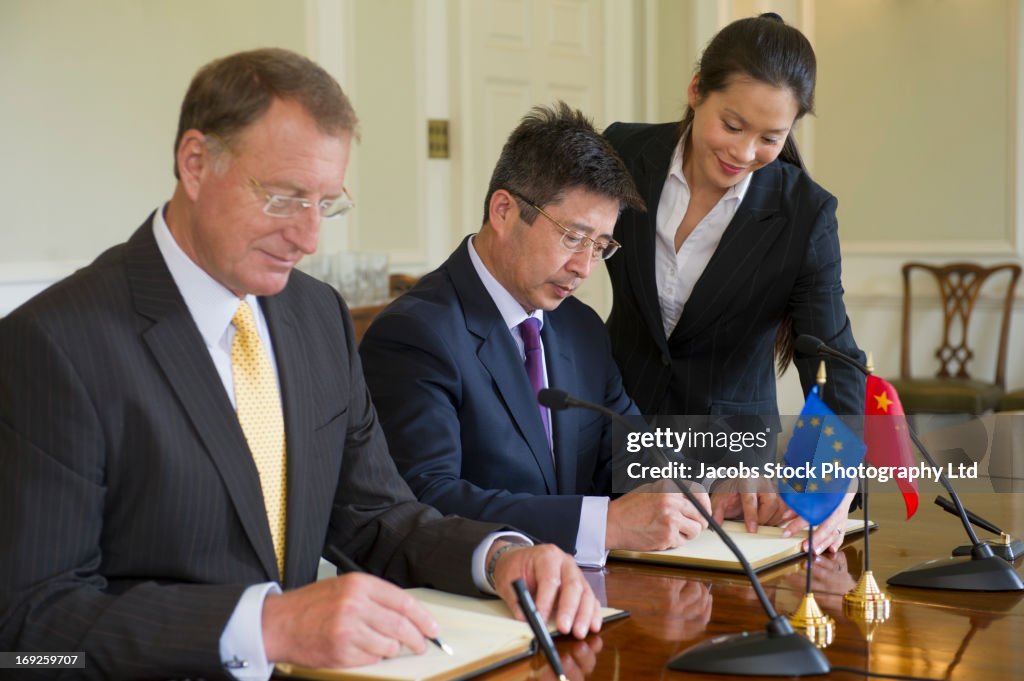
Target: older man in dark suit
{"x":184,"y":426}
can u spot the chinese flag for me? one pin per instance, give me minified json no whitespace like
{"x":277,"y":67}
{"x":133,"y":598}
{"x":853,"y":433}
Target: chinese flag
{"x":885,"y":433}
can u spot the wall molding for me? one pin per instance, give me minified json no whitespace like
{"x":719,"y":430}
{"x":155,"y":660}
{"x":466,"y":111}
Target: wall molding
{"x":910,"y":250}
{"x":47,"y":271}
{"x":19,"y":281}
{"x":922,"y":302}
{"x":619,"y":57}
{"x":649,"y":29}
{"x":330,"y":43}
{"x":1016,"y":170}
{"x":424,"y":81}
{"x":1013,"y":243}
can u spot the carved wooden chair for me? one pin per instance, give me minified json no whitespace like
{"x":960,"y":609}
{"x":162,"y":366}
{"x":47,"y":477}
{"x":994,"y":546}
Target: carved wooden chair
{"x":400,"y":283}
{"x":1012,"y":401}
{"x":953,"y":389}
{"x":363,"y":316}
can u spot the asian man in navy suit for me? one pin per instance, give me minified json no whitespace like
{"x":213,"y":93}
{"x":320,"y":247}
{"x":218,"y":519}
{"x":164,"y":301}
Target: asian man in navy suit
{"x":449,"y":363}
{"x":136,"y":525}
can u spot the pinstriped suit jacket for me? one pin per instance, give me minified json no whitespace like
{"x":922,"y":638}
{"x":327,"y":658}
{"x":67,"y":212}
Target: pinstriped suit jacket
{"x":779,"y":255}
{"x":131,"y":517}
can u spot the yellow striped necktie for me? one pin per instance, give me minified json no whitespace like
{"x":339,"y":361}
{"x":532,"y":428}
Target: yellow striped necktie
{"x":258,"y":405}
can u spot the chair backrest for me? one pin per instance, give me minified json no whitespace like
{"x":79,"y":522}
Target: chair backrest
{"x":959,"y":285}
{"x":364,"y":315}
{"x":400,"y":283}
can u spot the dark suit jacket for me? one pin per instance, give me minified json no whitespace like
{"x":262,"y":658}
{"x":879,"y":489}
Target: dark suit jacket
{"x":779,"y":255}
{"x":459,"y":414}
{"x":131,"y":517}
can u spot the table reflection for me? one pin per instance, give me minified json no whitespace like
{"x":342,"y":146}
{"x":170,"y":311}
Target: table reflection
{"x":673,"y":609}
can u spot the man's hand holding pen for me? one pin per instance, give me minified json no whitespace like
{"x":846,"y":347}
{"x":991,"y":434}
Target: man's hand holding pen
{"x":351,"y":620}
{"x":358,"y":619}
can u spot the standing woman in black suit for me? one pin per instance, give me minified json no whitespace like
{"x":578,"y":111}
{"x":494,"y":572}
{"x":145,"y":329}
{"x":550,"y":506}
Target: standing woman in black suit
{"x":737,"y":254}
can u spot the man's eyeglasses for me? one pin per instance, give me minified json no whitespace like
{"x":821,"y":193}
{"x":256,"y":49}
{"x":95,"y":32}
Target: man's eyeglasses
{"x":278,"y":206}
{"x":573,"y":240}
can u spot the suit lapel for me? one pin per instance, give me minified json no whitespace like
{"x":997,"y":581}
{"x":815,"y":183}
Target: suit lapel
{"x":179,"y":350}
{"x":650,"y":168}
{"x":296,"y":398}
{"x":747,"y":240}
{"x":562,"y":375}
{"x":498,"y":353}
{"x":649,"y":165}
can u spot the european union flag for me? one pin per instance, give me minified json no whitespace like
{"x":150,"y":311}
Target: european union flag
{"x":819,"y":437}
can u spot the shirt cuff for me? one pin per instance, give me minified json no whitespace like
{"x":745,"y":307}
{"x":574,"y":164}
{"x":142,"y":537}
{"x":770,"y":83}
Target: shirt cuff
{"x":480,"y":556}
{"x":241,"y":643}
{"x":590,"y":550}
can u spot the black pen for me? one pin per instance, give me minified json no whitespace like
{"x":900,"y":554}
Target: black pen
{"x":540,"y":630}
{"x":349,"y":565}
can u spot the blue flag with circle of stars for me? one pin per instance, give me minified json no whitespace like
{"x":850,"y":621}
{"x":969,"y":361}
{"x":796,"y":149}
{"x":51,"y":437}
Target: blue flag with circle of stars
{"x":818,"y":437}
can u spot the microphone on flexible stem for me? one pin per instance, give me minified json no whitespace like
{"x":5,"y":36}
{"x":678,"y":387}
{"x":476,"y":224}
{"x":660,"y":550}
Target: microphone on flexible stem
{"x":777,"y":651}
{"x":982,"y":570}
{"x":1006,"y":547}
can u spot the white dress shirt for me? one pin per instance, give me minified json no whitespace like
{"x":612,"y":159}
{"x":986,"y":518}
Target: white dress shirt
{"x":676,"y":273}
{"x":590,"y":548}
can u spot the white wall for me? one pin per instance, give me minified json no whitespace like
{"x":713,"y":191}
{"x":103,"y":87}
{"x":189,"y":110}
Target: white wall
{"x":385,"y":95}
{"x":916,"y":134}
{"x":919,"y":109}
{"x":90,"y":101}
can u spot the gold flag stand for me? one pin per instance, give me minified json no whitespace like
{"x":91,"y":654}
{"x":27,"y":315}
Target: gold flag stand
{"x":866,"y":603}
{"x":809,"y":619}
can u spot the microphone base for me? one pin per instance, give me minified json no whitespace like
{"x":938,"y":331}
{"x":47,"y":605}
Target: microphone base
{"x":1008,"y":552}
{"x":756,"y":654}
{"x":961,"y":574}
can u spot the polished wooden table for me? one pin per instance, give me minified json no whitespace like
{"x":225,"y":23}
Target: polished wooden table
{"x":929,"y":634}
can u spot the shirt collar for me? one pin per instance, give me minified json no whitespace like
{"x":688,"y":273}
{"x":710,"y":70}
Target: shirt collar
{"x":511,"y":311}
{"x":211,"y":305}
{"x":675,"y":169}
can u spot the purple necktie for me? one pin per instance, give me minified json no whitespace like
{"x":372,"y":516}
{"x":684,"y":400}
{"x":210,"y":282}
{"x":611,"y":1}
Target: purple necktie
{"x":530,"y":332}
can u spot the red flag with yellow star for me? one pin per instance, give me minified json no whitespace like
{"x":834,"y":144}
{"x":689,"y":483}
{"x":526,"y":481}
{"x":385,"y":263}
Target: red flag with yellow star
{"x":886,"y":435}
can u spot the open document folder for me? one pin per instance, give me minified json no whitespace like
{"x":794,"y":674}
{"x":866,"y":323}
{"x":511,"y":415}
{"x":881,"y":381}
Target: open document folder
{"x":481,"y":631}
{"x":766,"y":548}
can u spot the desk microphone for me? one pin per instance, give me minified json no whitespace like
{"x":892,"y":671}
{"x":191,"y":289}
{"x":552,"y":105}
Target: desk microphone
{"x":982,"y":571}
{"x":1006,"y":547}
{"x":777,"y":651}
